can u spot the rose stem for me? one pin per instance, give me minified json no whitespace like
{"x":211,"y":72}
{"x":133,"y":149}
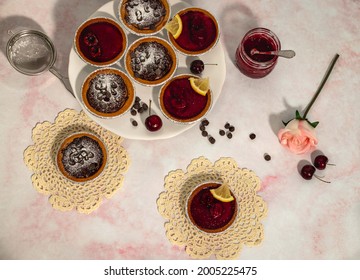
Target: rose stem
{"x":326,"y":76}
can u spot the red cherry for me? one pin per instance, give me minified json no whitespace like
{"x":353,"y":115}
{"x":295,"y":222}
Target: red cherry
{"x":153,"y":122}
{"x":321,"y":162}
{"x":307,"y":172}
{"x":90,"y":39}
{"x":197,"y":66}
{"x":95,"y":51}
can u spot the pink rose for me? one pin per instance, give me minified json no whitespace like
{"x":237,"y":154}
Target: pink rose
{"x":298,"y":136}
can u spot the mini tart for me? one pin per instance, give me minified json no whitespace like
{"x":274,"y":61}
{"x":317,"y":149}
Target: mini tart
{"x":87,"y":58}
{"x":134,"y":49}
{"x":93,"y":157}
{"x":88,"y":88}
{"x":146,"y":30}
{"x":174,"y":118}
{"x":198,"y":52}
{"x":232,"y":205}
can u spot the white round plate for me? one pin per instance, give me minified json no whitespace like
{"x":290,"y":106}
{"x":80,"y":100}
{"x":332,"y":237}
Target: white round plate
{"x":79,"y":70}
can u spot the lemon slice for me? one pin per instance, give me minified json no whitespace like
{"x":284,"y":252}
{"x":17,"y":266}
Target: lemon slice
{"x":175,"y":26}
{"x":200,"y":85}
{"x":222,"y":193}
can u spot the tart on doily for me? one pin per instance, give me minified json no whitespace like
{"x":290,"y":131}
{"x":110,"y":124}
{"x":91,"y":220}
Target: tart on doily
{"x":81,"y":157}
{"x":44,"y":158}
{"x":144,"y":17}
{"x":220,"y":230}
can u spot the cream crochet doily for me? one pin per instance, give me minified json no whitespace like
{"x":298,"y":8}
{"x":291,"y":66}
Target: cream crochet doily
{"x":246,"y":229}
{"x":63,"y":193}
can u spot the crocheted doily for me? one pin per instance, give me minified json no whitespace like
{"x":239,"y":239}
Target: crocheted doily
{"x":246,"y":229}
{"x":63,"y":193}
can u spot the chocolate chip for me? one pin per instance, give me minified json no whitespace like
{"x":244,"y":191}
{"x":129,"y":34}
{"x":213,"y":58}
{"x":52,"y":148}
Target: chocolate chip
{"x":137,"y":99}
{"x":202,"y":127}
{"x":222,"y":132}
{"x":145,"y":106}
{"x":212,"y":140}
{"x":232,"y":128}
{"x":204,"y":133}
{"x":205,"y":122}
{"x":227,"y":125}
{"x":134,"y":122}
{"x":140,"y":110}
{"x":136,"y":105}
{"x":133,"y":112}
{"x":229,"y":135}
{"x":267,"y":157}
{"x":252,"y":136}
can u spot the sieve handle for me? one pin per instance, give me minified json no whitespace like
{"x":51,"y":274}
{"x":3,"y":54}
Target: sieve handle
{"x":64,"y":80}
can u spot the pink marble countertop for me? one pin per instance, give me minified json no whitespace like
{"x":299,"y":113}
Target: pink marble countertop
{"x":306,"y":219}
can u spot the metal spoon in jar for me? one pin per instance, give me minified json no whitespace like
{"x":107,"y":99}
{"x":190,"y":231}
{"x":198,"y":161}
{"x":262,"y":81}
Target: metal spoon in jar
{"x":281,"y":53}
{"x":31,"y":53}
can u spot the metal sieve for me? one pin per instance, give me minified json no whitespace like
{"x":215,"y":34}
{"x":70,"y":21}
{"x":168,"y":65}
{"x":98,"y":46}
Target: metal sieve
{"x":32,"y":53}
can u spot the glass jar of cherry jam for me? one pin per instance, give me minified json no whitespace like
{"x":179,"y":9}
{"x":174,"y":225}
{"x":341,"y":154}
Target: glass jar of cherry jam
{"x":257,"y":65}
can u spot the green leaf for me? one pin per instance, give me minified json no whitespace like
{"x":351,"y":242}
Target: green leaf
{"x":285,"y":123}
{"x":314,"y":124}
{"x":297,"y":115}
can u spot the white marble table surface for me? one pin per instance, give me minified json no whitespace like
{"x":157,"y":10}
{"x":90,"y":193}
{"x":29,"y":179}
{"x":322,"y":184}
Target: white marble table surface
{"x":306,"y":219}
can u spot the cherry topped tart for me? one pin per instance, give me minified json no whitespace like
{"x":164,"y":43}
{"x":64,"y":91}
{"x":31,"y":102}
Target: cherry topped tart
{"x":208,"y":213}
{"x":100,"y":41}
{"x":200,"y":32}
{"x":144,"y":17}
{"x":81,"y":157}
{"x":151,"y":61}
{"x":108,"y":92}
{"x":180,"y":103}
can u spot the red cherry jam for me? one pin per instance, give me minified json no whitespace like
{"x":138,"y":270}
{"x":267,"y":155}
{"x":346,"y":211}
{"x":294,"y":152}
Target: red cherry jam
{"x":181,"y":101}
{"x":101,"y":41}
{"x":199,"y":32}
{"x":257,"y":65}
{"x":208,"y":213}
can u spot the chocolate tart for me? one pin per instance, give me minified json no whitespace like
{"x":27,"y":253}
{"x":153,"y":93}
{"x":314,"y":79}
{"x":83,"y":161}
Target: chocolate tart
{"x":151,"y":61}
{"x":108,"y":92}
{"x":180,"y":103}
{"x":200,"y":32}
{"x":207,"y":213}
{"x":100,"y":41}
{"x":81,"y":157}
{"x":144,"y":18}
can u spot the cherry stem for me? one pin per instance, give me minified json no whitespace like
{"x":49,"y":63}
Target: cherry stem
{"x":331,"y":164}
{"x":210,"y":63}
{"x":317,"y":177}
{"x":149,"y":107}
{"x":326,"y":76}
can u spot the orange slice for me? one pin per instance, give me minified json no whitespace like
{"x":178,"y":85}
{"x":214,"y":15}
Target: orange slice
{"x":222,"y":193}
{"x":175,"y":26}
{"x":200,"y":85}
